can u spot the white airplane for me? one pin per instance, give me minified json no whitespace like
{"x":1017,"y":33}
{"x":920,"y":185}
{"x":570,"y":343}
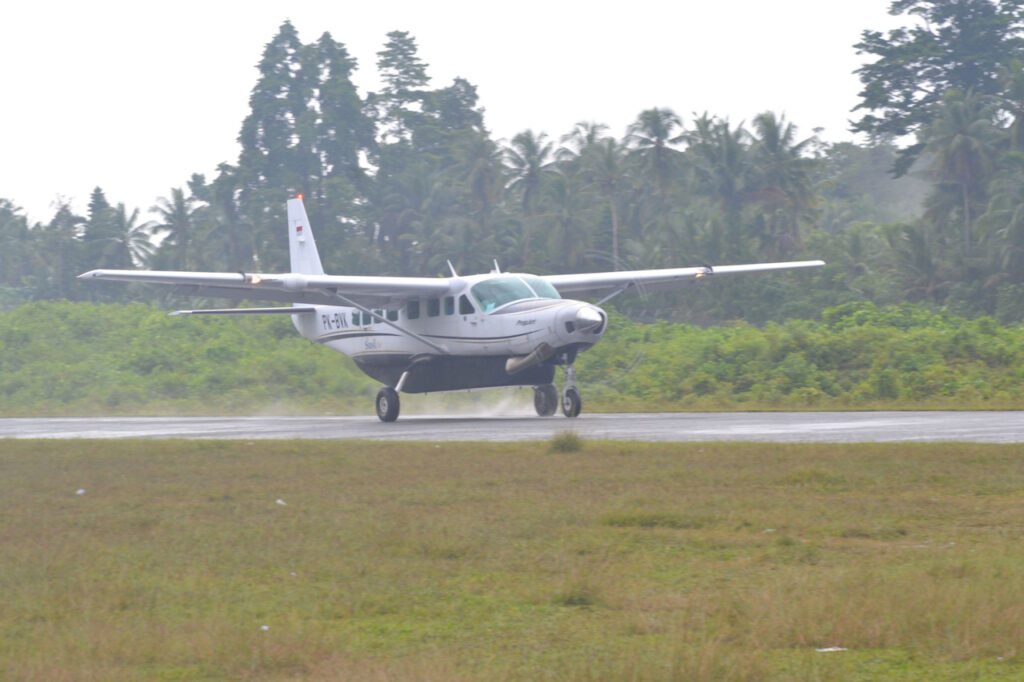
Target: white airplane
{"x":430,"y":334}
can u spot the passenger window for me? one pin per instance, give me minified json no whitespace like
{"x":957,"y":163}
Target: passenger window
{"x":449,"y":305}
{"x":413,"y":309}
{"x":433,"y":307}
{"x":377,"y":314}
{"x":366,"y":318}
{"x":465,"y":307}
{"x":392,"y":315}
{"x":355,"y":318}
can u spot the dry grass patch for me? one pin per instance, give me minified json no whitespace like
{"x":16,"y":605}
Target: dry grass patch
{"x":325,"y":560}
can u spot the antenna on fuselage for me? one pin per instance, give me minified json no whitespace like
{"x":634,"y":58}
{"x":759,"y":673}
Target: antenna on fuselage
{"x":452,"y":268}
{"x":497,"y":268}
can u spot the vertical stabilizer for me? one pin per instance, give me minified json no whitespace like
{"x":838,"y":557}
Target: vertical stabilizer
{"x":301,"y":246}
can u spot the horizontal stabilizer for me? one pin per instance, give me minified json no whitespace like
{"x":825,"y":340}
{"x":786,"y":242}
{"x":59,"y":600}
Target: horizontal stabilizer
{"x":247,"y":311}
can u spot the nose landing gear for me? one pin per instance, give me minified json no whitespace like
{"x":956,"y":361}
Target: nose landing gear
{"x":571,"y":402}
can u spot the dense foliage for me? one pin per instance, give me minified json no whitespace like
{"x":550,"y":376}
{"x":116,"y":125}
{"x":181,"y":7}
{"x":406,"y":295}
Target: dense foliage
{"x":64,"y":358}
{"x":400,"y":180}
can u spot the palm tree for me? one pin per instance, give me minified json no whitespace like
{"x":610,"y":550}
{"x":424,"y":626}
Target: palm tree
{"x":963,"y":143}
{"x":569,"y":238}
{"x":584,"y":135}
{"x":917,"y":265}
{"x":1003,"y":221}
{"x":604,"y":164}
{"x":722,"y":169}
{"x":528,"y":158}
{"x":783,"y":181}
{"x":479,"y":172}
{"x":128,"y":245}
{"x":176,"y":222}
{"x":650,"y":136}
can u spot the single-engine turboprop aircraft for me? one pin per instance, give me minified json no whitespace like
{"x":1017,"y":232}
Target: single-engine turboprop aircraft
{"x":429,"y":334}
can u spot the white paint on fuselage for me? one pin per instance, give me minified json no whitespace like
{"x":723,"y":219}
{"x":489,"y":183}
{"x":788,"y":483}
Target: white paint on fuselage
{"x":516,"y":328}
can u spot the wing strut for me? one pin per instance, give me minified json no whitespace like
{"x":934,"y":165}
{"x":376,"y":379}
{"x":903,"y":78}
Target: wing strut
{"x":620,"y":290}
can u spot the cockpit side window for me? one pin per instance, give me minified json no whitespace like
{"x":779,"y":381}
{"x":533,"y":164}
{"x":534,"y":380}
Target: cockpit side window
{"x":497,"y":291}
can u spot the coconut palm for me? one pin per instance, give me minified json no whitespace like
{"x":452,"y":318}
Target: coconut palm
{"x":963,"y":144}
{"x":128,"y":245}
{"x":529,"y":160}
{"x":782,"y":176}
{"x":175,"y":221}
{"x":651,"y":137}
{"x":605,"y":166}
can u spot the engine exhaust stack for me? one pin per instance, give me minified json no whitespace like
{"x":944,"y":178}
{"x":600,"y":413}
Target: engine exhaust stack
{"x":521,"y":362}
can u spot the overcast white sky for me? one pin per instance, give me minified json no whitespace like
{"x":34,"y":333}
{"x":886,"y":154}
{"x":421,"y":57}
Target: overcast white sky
{"x":134,"y":97}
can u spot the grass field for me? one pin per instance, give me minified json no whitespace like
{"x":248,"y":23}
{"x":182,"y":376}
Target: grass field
{"x":563,"y":560}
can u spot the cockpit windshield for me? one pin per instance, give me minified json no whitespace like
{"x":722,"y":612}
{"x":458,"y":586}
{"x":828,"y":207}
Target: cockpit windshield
{"x":497,"y":291}
{"x":541,"y":287}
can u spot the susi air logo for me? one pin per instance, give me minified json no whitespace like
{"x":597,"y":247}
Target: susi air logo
{"x":372,"y":344}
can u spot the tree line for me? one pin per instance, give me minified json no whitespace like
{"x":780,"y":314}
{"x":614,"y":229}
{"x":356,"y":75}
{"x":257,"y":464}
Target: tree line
{"x":75,"y":358}
{"x":929,"y":209}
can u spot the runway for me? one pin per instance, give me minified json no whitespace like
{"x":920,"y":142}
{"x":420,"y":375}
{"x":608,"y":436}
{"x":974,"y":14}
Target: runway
{"x":821,"y":427}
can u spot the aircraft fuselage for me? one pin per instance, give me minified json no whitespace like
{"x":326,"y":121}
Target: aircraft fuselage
{"x":459,"y":340}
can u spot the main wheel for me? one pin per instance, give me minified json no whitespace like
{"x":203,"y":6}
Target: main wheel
{"x":387,"y":404}
{"x":571,"y":403}
{"x":545,"y":399}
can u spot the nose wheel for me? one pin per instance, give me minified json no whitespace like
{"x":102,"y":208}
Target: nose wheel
{"x":387,"y":404}
{"x":571,"y":401}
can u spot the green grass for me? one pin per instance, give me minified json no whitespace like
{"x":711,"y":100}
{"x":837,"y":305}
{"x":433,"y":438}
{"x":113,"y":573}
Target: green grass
{"x":615,"y":561}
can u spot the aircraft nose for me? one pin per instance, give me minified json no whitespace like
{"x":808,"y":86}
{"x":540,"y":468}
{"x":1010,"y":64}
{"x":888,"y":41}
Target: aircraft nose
{"x":587,"y":319}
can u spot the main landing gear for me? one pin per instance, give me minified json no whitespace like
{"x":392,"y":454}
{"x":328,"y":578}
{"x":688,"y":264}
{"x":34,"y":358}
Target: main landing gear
{"x":387,"y":404}
{"x":545,"y":398}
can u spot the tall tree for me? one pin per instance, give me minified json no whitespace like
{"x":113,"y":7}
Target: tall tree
{"x":342,"y":130}
{"x":175,"y":221}
{"x":651,"y":137}
{"x":1003,"y":221}
{"x":271,"y":165}
{"x":954,"y":44}
{"x":128,"y":246}
{"x":782,"y":177}
{"x":16,"y":253}
{"x":605,"y":165}
{"x":405,"y":82}
{"x":721,"y":165}
{"x":963,"y":144}
{"x":61,"y":242}
{"x":529,"y":160}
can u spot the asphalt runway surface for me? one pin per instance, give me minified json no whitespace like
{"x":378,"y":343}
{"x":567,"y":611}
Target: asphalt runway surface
{"x":821,"y":427}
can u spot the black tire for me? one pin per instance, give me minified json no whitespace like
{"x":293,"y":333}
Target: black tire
{"x":387,"y":404}
{"x":571,"y":403}
{"x":545,"y":400}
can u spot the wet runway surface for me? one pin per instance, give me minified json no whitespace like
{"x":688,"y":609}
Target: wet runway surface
{"x":834,"y":427}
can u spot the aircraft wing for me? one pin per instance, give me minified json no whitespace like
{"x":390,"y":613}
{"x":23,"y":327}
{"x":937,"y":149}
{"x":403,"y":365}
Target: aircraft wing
{"x":371,"y":292}
{"x":608,"y":284}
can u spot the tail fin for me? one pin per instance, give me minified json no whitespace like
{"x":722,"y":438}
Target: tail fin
{"x":305,"y":257}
